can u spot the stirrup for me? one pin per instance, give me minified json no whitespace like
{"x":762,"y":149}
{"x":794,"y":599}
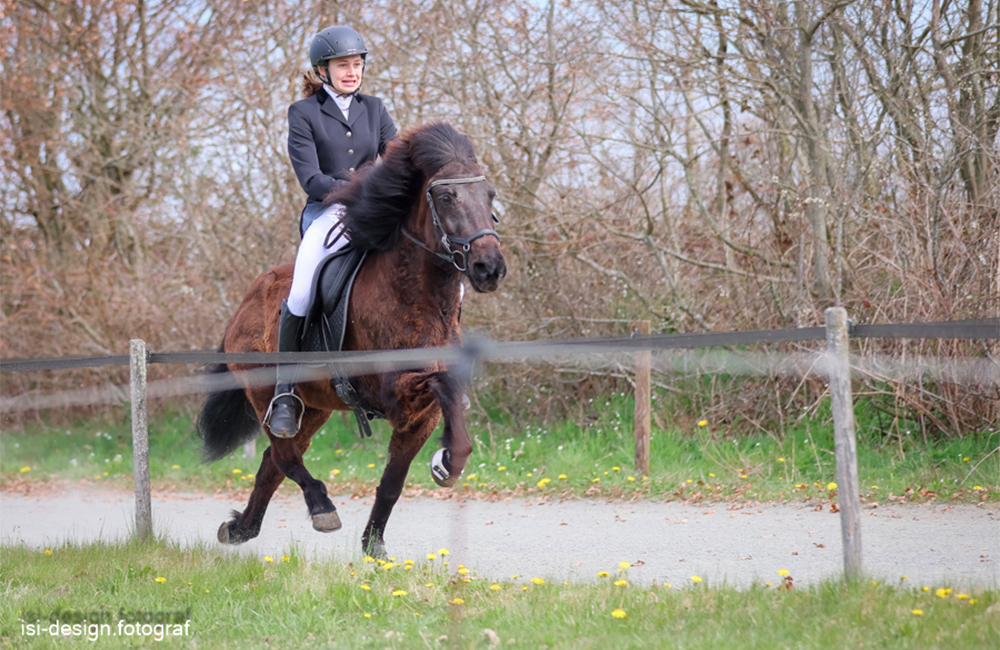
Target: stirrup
{"x":270,"y":412}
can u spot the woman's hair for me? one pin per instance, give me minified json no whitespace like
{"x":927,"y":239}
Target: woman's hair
{"x":310,"y":84}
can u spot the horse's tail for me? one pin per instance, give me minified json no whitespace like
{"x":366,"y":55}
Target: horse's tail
{"x":227,"y":420}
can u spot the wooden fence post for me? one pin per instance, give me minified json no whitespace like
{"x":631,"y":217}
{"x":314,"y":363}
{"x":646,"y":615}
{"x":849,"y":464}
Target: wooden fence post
{"x":140,"y":439}
{"x":845,"y":443}
{"x":643,"y":363}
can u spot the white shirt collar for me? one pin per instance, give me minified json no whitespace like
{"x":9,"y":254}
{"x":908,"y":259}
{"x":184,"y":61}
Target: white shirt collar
{"x":343,"y":101}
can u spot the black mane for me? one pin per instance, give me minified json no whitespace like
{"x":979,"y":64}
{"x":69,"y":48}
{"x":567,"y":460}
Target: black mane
{"x":381,"y":197}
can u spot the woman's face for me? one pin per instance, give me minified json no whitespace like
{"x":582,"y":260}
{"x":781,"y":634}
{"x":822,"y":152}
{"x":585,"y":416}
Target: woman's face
{"x":345,"y":73}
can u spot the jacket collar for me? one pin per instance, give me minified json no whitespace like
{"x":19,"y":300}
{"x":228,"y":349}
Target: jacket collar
{"x":329,"y":107}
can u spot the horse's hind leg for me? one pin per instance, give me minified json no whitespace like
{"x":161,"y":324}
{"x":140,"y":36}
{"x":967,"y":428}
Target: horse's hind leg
{"x":245,"y":525}
{"x":287,"y":455}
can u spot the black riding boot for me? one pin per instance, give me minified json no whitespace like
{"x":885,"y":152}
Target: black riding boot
{"x":286,"y":409}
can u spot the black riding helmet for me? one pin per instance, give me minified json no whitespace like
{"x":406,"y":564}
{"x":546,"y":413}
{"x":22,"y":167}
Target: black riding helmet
{"x":335,"y":42}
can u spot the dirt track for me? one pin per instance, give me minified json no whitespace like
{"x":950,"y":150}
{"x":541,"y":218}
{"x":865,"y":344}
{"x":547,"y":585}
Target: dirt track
{"x":572,"y":540}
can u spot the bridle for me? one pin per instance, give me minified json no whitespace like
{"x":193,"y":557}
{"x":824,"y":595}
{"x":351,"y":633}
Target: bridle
{"x":453,"y":255}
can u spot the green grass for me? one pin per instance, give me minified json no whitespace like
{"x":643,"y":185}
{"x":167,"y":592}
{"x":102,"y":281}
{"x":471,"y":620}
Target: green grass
{"x":566,"y":459}
{"x":241,"y":602}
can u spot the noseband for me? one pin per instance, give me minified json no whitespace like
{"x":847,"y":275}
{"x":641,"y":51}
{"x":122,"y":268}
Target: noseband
{"x":453,"y":255}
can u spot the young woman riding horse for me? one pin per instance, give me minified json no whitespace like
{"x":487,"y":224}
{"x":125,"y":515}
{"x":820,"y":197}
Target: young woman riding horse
{"x":331,"y":133}
{"x":425,"y":216}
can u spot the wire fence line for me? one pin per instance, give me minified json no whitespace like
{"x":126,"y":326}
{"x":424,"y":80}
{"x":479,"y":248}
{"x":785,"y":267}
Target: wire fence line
{"x":671,"y":354}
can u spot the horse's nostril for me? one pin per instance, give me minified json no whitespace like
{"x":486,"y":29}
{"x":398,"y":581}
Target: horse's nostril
{"x":480,"y":269}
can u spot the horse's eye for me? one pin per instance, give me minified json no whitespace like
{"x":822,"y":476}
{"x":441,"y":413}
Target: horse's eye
{"x":447,"y":199}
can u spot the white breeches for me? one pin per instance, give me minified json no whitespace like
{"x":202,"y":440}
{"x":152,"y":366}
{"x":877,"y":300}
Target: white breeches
{"x":312,"y":251}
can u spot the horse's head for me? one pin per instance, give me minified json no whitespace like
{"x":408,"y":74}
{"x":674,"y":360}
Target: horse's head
{"x":460,"y":202}
{"x":451,"y":217}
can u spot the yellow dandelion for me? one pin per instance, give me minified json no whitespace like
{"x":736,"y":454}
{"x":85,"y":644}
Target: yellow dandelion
{"x":25,"y":469}
{"x":781,"y":460}
{"x":371,"y":465}
{"x":429,"y":584}
{"x":831,"y":486}
{"x":712,"y":475}
{"x":369,"y":559}
{"x":501,"y":468}
{"x":783,"y":572}
{"x":366,"y":587}
{"x":538,"y":581}
{"x":965,"y":460}
{"x":962,"y":596}
{"x":161,"y":579}
{"x":925,"y":588}
{"x":596,"y":480}
{"x":696,"y":579}
{"x":207,"y":591}
{"x":545,"y":481}
{"x":621,"y":583}
{"x":977,"y":487}
{"x":524,"y":588}
{"x":942,"y":593}
{"x":514,"y":577}
{"x":530,"y":474}
{"x":175,"y":467}
{"x":388,"y":566}
{"x":48,"y":551}
{"x":917,"y":612}
{"x":603,"y":574}
{"x":619,"y":613}
{"x":702,"y":423}
{"x":237,"y":471}
{"x":443,"y":551}
{"x":334,"y":472}
{"x":285,"y":558}
{"x":431,"y":556}
{"x":399,"y":593}
{"x":367,"y":615}
{"x":563,"y":476}
{"x":903,"y":577}
{"x":417,"y":614}
{"x":616,"y":468}
{"x":408,"y":562}
{"x":456,"y":601}
{"x":339,"y":451}
{"x":463,"y":571}
{"x":495,"y":587}
{"x":623,"y":564}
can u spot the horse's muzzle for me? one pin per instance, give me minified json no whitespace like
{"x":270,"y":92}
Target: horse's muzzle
{"x":487,"y":266}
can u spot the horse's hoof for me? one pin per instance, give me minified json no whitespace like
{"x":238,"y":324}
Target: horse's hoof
{"x":326,"y":522}
{"x":441,"y":468}
{"x":376,"y":550}
{"x":224,"y":534}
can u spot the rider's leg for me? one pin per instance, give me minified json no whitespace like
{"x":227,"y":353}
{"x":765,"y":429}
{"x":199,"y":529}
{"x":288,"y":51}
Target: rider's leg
{"x":286,"y":407}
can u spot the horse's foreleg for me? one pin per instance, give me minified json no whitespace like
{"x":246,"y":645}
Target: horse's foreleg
{"x":245,"y":525}
{"x":287,"y":455}
{"x":386,"y":496}
{"x":456,"y":446}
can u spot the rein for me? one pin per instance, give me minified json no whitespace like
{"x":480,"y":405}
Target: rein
{"x":448,"y":241}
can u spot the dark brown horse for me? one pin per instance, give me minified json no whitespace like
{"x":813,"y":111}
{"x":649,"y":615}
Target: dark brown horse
{"x":426,"y":197}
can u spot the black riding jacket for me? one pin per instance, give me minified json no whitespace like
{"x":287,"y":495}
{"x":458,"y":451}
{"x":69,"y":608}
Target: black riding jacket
{"x":325,"y":148}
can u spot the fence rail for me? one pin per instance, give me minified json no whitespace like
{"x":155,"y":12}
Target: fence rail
{"x":837,"y":334}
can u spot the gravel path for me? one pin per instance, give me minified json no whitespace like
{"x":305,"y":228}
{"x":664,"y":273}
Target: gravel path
{"x":957,"y":546}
